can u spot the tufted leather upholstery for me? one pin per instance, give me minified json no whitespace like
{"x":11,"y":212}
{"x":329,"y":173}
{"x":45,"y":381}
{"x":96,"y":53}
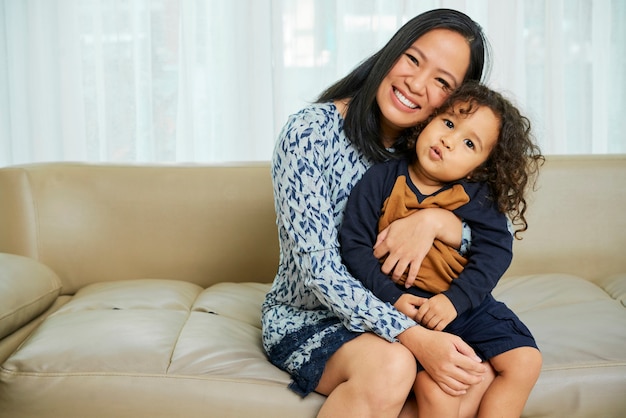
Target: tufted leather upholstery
{"x":135,"y":291}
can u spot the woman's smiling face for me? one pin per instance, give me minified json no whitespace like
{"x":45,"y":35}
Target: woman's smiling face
{"x":421,"y":80}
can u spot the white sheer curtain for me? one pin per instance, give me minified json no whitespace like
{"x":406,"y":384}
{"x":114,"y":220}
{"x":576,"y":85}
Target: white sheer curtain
{"x":214,"y":80}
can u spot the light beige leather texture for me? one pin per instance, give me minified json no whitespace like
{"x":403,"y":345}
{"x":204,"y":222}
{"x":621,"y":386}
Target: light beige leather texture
{"x":23,"y":300}
{"x":131,"y":291}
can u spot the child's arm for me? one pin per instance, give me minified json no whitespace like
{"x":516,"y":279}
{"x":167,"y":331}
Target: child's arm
{"x":490,"y":253}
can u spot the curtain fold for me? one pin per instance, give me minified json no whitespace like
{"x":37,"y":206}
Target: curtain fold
{"x":171,"y":81}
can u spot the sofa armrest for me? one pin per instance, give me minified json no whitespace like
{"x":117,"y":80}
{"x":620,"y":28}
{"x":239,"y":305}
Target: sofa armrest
{"x":27,"y":289}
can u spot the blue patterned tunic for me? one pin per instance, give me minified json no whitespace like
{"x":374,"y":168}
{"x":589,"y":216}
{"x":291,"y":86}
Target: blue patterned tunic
{"x":315,"y":305}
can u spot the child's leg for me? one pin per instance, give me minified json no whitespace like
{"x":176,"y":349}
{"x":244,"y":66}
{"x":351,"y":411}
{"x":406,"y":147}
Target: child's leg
{"x":432,"y":401}
{"x":409,"y":410}
{"x":468,"y":403}
{"x":517,"y":372}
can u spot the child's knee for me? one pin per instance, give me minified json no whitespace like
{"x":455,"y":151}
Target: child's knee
{"x":520,"y":363}
{"x":533,"y":359}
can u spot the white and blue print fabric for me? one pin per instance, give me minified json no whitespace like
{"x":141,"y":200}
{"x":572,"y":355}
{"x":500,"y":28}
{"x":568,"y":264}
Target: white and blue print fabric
{"x":315,"y":305}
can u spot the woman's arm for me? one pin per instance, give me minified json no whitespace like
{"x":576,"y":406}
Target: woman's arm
{"x":309,"y":184}
{"x":408,"y":240}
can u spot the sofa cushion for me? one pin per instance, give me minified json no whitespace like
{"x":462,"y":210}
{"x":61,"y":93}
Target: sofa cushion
{"x":27,"y":288}
{"x":615,"y":285}
{"x":581,"y":331}
{"x":155,"y":339}
{"x":241,"y":301}
{"x":105,"y":222}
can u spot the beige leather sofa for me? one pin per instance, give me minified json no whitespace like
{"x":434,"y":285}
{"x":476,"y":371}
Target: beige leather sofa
{"x":135,"y":291}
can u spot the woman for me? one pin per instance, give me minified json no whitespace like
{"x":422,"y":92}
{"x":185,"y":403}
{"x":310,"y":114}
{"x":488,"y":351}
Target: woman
{"x":319,"y":323}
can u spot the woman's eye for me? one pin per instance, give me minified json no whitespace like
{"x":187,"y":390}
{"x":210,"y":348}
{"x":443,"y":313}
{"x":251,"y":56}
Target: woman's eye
{"x":413,"y":59}
{"x":469,"y":143}
{"x":444,"y":84}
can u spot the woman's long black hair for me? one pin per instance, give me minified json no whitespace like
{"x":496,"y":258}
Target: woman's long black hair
{"x":362,"y":119}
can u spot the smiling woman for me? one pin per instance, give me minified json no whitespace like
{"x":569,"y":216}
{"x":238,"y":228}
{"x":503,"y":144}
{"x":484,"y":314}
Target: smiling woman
{"x":407,"y":96}
{"x":154,"y":80}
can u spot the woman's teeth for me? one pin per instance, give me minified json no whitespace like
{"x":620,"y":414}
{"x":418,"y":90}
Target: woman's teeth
{"x":404,"y":100}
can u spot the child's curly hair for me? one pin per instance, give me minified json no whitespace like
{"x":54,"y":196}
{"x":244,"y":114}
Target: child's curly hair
{"x":513,"y":163}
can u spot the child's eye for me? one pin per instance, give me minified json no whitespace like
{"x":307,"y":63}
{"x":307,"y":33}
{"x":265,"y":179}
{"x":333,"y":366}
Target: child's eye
{"x":469,"y":143}
{"x":449,"y":124}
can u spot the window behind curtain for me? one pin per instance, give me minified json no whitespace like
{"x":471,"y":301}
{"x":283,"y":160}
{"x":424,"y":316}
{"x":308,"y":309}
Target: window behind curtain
{"x":214,"y":81}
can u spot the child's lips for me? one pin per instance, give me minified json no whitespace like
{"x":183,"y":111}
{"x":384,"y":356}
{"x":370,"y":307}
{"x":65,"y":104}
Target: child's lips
{"x":435,"y":153}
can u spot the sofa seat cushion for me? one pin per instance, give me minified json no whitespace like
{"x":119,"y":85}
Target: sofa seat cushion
{"x":580,"y":327}
{"x":615,"y":285}
{"x":169,"y":348}
{"x":149,"y":343}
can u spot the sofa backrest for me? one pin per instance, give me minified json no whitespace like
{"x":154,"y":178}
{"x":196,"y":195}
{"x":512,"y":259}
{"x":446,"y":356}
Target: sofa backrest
{"x":576,"y":217}
{"x":207,"y":224}
{"x":91,"y":223}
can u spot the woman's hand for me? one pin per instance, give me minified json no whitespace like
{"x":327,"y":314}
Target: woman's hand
{"x":447,"y":358}
{"x":407,"y":241}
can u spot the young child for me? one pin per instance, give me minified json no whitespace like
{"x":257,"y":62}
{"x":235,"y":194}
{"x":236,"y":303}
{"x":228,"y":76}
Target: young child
{"x":474,"y":157}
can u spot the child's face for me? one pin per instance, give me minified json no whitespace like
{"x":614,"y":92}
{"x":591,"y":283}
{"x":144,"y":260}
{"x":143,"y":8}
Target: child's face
{"x":453,"y":145}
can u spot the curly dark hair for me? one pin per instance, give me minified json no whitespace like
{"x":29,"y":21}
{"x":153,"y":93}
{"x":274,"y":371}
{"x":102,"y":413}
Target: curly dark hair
{"x":513,"y":164}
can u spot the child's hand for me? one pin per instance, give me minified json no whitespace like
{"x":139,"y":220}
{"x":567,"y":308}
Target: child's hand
{"x":435,"y":313}
{"x":408,"y":304}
